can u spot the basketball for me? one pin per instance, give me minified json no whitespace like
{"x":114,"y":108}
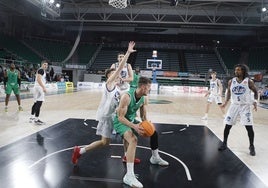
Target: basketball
{"x":148,"y":128}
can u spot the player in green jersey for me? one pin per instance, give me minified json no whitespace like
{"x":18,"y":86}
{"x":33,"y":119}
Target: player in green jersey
{"x":12,"y":82}
{"x":128,"y":127}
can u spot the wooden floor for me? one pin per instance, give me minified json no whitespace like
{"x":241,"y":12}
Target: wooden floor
{"x":164,"y":108}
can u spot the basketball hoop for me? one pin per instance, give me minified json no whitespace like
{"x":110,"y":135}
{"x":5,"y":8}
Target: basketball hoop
{"x":118,"y":3}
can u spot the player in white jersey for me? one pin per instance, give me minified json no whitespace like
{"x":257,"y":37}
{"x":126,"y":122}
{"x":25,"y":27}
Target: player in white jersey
{"x":126,"y":74}
{"x":39,"y":91}
{"x":107,"y":107}
{"x":214,"y":94}
{"x":239,"y":91}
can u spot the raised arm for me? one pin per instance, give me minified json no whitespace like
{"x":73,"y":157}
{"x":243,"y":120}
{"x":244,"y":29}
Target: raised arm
{"x":112,"y":66}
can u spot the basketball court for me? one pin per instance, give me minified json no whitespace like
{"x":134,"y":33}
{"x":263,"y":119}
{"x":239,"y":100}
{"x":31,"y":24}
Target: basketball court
{"x":40,"y":156}
{"x":185,"y":141}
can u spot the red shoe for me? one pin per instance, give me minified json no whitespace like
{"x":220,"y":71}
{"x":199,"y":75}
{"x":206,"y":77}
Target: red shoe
{"x":76,"y":155}
{"x":136,"y":160}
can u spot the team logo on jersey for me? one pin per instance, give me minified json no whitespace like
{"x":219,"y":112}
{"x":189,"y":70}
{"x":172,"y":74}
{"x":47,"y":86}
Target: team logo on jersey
{"x":213,"y":85}
{"x":247,"y":114}
{"x":239,"y":90}
{"x":117,"y":97}
{"x":123,"y":74}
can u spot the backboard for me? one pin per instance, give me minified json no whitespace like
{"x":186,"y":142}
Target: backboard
{"x":154,"y":64}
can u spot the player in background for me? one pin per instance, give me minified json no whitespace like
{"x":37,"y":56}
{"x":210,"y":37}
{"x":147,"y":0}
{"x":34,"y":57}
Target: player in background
{"x":126,"y":74}
{"x":12,"y":82}
{"x":39,"y":91}
{"x":214,"y":94}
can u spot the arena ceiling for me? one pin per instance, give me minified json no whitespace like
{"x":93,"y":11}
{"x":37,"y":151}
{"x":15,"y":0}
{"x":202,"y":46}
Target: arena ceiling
{"x":218,"y":17}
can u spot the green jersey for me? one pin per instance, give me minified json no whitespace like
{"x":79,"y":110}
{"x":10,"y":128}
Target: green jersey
{"x":12,"y":76}
{"x":135,"y":81}
{"x":12,"y":82}
{"x":133,"y":107}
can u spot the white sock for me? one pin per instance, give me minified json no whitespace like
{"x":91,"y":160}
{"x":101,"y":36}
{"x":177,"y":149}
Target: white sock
{"x":206,"y":114}
{"x":155,"y":153}
{"x":82,"y":151}
{"x":32,"y":116}
{"x":130,"y":169}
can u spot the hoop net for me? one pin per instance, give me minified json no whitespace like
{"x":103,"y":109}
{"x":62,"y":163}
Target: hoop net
{"x":118,"y":3}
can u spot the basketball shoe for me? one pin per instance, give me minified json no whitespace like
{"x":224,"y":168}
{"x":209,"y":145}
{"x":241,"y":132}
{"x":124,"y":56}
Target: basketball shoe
{"x":223,"y":147}
{"x":39,"y":122}
{"x":158,"y":161}
{"x":252,"y":150}
{"x":31,"y":120}
{"x":76,"y":155}
{"x":20,"y":108}
{"x":132,"y":181}
{"x":136,"y":160}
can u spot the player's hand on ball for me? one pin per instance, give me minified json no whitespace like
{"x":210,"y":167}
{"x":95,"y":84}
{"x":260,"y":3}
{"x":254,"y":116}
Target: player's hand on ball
{"x":140,"y":130}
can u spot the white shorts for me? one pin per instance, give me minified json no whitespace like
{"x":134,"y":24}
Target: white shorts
{"x":105,"y":128}
{"x":216,"y":98}
{"x":243,"y":111}
{"x":38,"y":94}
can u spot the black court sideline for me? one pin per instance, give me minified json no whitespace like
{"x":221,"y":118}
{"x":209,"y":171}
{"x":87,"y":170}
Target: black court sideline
{"x":43,"y":160}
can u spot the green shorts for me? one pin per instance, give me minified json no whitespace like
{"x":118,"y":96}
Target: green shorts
{"x":121,"y":128}
{"x":12,"y":87}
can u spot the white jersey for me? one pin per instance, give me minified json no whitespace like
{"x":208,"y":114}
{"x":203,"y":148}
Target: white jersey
{"x":38,"y":93}
{"x":43,"y":79}
{"x":214,"y":87}
{"x":124,"y":86}
{"x":108,"y":104}
{"x":240,"y":92}
{"x":124,"y":71}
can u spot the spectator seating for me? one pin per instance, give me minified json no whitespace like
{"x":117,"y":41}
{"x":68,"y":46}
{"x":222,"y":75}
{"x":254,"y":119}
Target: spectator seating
{"x":202,"y":61}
